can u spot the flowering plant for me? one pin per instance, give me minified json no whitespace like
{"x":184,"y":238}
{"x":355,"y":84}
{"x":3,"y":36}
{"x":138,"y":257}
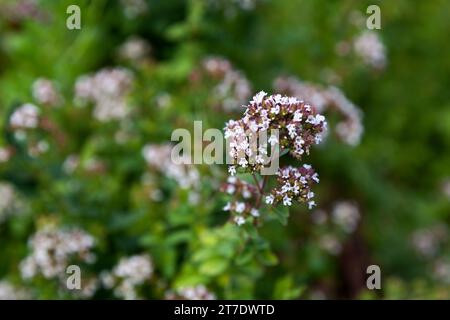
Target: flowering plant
{"x":294,"y":127}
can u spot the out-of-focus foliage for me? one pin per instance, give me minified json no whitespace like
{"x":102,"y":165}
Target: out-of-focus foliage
{"x":95,"y":166}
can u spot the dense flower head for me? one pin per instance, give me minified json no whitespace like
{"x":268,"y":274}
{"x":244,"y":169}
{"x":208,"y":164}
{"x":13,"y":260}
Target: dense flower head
{"x":25,"y":117}
{"x":107,"y":89}
{"x":369,"y":47}
{"x":297,"y":124}
{"x":294,"y":184}
{"x":129,"y":273}
{"x":51,"y":250}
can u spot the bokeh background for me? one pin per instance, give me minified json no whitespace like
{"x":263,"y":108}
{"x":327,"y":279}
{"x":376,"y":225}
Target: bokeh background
{"x":87,"y":116}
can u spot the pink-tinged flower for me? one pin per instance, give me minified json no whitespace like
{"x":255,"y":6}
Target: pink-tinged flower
{"x":25,"y":117}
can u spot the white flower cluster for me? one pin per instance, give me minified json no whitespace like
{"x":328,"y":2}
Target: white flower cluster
{"x":134,"y":49}
{"x":232,"y":88}
{"x":346,"y":215}
{"x":159,"y":157}
{"x":129,"y":273}
{"x":369,"y":47}
{"x":45,"y":92}
{"x":294,"y":184}
{"x":25,"y":117}
{"x":52,"y":250}
{"x":350,"y":129}
{"x":199,"y":292}
{"x":107,"y":89}
{"x":10,"y":292}
{"x":242,"y":209}
{"x":298,"y":125}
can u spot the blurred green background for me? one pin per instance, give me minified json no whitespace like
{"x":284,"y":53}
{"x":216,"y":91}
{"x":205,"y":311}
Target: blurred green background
{"x":76,"y":170}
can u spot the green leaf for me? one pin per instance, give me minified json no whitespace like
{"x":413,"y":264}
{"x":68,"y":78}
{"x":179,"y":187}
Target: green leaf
{"x":268,"y":258}
{"x":213,"y":266}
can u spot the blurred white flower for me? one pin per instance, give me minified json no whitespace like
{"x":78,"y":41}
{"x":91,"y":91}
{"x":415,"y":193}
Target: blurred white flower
{"x":11,"y":292}
{"x":45,"y":92}
{"x":107,"y":89}
{"x":346,"y":215}
{"x":369,"y":47}
{"x":26,"y":116}
{"x":51,"y":250}
{"x":129,"y":273}
{"x":134,"y":49}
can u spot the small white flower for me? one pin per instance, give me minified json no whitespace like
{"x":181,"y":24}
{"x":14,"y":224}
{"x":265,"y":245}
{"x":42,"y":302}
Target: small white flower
{"x":273,"y":139}
{"x":254,"y":212}
{"x":240,"y":207}
{"x":315,"y":177}
{"x":253,"y":126}
{"x":259,"y":97}
{"x":311,"y":204}
{"x":275,"y":110}
{"x":298,"y":116}
{"x":246,"y":194}
{"x":26,"y":116}
{"x":286,"y":188}
{"x":318,"y":139}
{"x":239,"y":220}
{"x":270,"y":199}
{"x":292,"y":130}
{"x":243,"y":162}
{"x":259,"y":159}
{"x":287,"y":201}
{"x":231,"y":179}
{"x":310,"y":195}
{"x":227,"y":207}
{"x":231,"y":189}
{"x":232,"y":170}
